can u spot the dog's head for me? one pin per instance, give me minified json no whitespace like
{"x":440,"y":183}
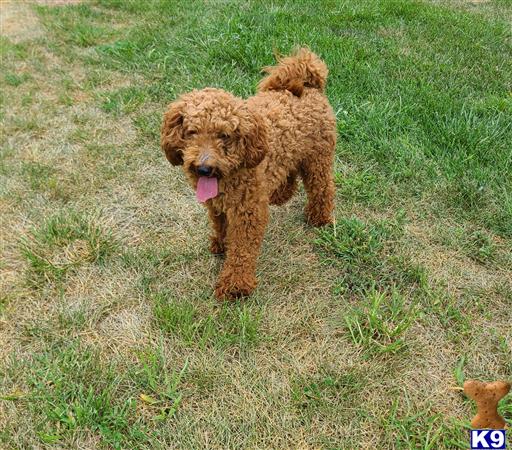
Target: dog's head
{"x":212,"y":134}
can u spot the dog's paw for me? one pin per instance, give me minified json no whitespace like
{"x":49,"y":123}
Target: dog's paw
{"x":318,"y":221}
{"x":231,"y":287}
{"x":216,"y":246}
{"x":317,"y":216}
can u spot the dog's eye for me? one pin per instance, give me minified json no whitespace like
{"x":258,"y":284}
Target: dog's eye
{"x":223,"y":136}
{"x":190,"y":133}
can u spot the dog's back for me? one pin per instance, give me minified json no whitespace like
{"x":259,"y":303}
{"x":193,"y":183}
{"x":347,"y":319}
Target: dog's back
{"x":301,"y":123}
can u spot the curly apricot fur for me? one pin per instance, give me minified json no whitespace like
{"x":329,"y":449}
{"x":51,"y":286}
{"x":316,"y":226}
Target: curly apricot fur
{"x":257,"y":148}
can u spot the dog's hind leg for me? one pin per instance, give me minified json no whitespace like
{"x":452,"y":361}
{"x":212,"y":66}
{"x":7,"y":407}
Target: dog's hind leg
{"x":284,"y":192}
{"x":317,"y":174}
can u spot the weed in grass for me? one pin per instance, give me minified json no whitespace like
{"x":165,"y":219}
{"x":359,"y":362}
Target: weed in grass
{"x":65,"y":241}
{"x":180,"y":318}
{"x":229,"y":326}
{"x":458,"y":372}
{"x":379,"y":324}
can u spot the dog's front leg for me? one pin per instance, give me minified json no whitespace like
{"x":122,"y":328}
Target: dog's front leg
{"x":218,"y":222}
{"x":245,"y":228}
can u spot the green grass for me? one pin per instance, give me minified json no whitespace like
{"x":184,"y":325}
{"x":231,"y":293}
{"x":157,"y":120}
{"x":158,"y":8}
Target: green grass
{"x":380,"y":322}
{"x":4,"y":300}
{"x":479,"y":245}
{"x":14,"y":79}
{"x":367,"y":256}
{"x":418,"y":429}
{"x":327,"y":393}
{"x":65,"y":241}
{"x":357,"y":334}
{"x":70,"y":391}
{"x":39,"y":176}
{"x":124,"y":101}
{"x":227,"y":327}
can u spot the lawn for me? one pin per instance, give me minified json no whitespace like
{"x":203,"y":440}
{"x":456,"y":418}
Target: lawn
{"x":359,"y":335}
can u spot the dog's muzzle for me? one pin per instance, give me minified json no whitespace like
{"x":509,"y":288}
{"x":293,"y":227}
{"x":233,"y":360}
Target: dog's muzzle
{"x":204,"y":171}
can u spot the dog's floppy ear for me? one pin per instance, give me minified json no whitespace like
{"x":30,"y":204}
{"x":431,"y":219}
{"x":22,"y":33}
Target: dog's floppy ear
{"x":171,"y":135}
{"x":253,"y":138}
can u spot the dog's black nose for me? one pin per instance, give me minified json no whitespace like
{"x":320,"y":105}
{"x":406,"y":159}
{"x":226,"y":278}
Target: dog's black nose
{"x":204,"y":171}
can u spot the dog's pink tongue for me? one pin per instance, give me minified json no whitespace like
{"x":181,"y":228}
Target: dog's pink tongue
{"x":206,"y":188}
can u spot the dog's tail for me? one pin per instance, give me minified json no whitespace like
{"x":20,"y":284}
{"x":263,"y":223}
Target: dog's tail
{"x":302,"y":69}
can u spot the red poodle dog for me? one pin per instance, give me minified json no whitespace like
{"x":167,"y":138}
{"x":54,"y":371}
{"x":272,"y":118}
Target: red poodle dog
{"x":241,"y":156}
